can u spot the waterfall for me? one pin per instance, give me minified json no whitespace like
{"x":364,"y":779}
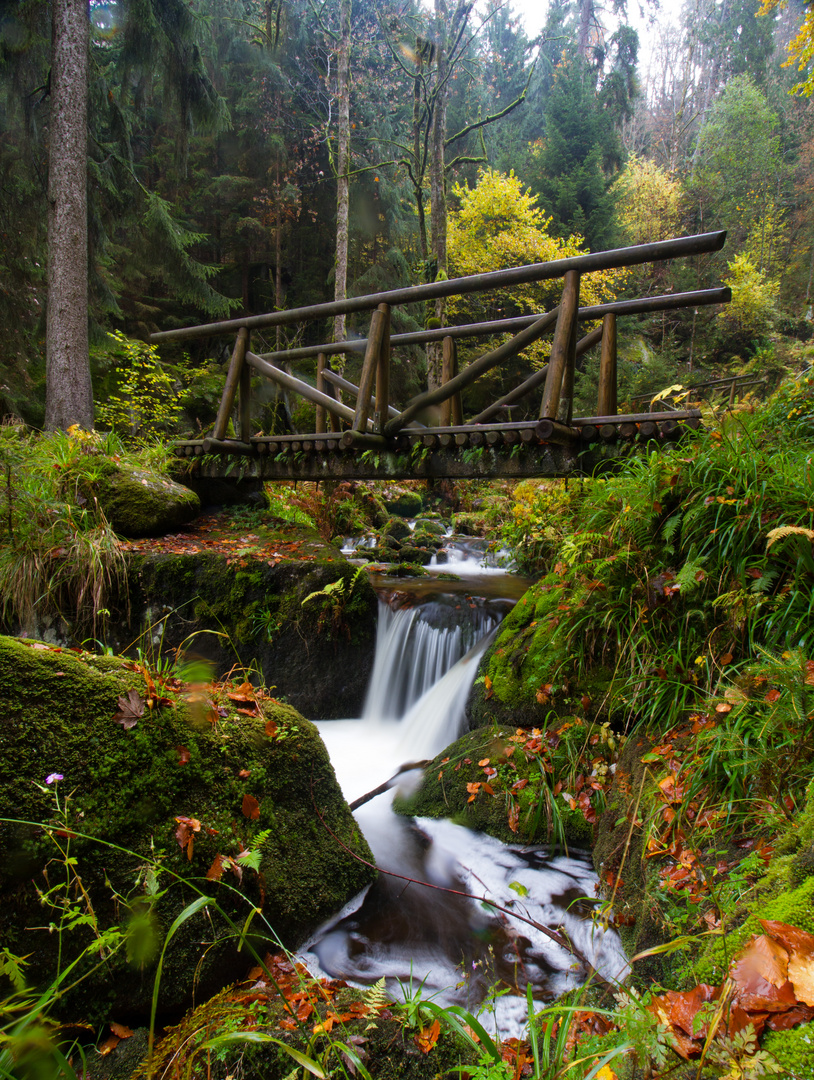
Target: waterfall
{"x":427,"y":657}
{"x":413,"y":652}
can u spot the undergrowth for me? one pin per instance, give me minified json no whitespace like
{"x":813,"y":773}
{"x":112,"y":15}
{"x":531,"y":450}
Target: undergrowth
{"x":58,"y":553}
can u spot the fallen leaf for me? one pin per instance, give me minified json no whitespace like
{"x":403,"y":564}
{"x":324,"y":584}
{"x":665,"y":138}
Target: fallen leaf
{"x":428,"y":1037}
{"x":250,"y":807}
{"x":121,"y":1030}
{"x":185,"y":833}
{"x":131,"y":709}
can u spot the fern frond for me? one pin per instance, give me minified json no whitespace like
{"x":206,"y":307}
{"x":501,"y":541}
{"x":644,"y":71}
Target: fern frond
{"x":787,"y":530}
{"x":375,"y":997}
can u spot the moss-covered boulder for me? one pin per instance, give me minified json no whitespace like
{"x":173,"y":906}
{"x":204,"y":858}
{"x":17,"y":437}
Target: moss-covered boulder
{"x":530,"y":666}
{"x":432,"y":526}
{"x":516,"y":785}
{"x":408,"y":504}
{"x":396,"y":529}
{"x":284,"y":1012}
{"x":137,"y":502}
{"x":125,"y":798}
{"x":307,"y":623}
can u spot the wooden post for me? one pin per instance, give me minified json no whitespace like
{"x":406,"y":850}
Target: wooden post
{"x":608,"y":404}
{"x":451,"y":409}
{"x":319,"y":424}
{"x":448,"y":357}
{"x":369,"y":369}
{"x":382,"y":414}
{"x":245,"y":420}
{"x":232,"y":382}
{"x":563,"y":347}
{"x":565,"y":409}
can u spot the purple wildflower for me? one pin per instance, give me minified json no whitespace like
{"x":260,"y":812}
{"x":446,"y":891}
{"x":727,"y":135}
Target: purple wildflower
{"x":54,"y":776}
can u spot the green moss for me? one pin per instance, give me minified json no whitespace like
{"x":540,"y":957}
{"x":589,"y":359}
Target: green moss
{"x":139,"y":503}
{"x":128,"y":788}
{"x":447,"y":789}
{"x":792,"y":1050}
{"x":794,"y":906}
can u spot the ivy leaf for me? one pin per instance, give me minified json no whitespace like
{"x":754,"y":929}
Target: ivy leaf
{"x":131,"y":709}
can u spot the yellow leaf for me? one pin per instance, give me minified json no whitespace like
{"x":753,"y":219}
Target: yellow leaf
{"x":606,"y":1073}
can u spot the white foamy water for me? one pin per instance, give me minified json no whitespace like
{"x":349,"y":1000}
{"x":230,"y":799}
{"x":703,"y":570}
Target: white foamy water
{"x":415,"y":935}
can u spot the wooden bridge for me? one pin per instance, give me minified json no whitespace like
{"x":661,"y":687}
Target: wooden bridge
{"x":372,"y":439}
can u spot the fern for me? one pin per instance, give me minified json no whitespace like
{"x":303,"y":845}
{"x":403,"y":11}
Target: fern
{"x":787,"y":530}
{"x":668,"y":531}
{"x":691,"y":574}
{"x":375,"y":997}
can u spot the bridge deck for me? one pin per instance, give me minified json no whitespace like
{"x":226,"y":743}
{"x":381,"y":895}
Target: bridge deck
{"x":522,"y":450}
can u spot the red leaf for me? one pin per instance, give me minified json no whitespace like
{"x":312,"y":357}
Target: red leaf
{"x":215,"y":871}
{"x":185,"y":833}
{"x":250,"y":807}
{"x":772,"y":696}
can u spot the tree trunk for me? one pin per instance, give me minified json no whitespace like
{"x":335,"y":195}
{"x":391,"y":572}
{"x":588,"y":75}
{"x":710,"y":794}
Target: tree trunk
{"x":342,"y":165}
{"x":438,"y":198}
{"x":69,"y":397}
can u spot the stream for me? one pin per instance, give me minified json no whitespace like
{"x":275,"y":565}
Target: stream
{"x":422,"y":940}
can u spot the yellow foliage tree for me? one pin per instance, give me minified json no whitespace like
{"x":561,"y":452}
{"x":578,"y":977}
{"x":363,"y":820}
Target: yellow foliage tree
{"x":648,"y":202}
{"x":754,"y":296}
{"x":498,"y":225}
{"x":801,"y":47}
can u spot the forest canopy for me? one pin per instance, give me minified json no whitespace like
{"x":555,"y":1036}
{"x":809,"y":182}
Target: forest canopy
{"x":247,"y":155}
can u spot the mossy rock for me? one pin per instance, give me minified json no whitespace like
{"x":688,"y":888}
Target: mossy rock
{"x":620,"y":860}
{"x":494,"y":760}
{"x":422,"y":538}
{"x":421,"y":556}
{"x":470,"y":523}
{"x":139,"y":503}
{"x":396,"y":529}
{"x":379,"y":1034}
{"x":317,"y":653}
{"x":408,"y":505}
{"x":241,"y":783}
{"x":433,"y":526}
{"x":530,"y":652}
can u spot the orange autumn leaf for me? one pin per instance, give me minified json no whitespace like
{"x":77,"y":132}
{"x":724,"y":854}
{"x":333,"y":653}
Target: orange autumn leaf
{"x":428,"y":1037}
{"x":250,"y":807}
{"x":122,"y":1030}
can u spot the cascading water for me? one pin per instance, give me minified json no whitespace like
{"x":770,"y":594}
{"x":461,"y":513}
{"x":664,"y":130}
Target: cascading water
{"x":415,"y":648}
{"x":404,"y":929}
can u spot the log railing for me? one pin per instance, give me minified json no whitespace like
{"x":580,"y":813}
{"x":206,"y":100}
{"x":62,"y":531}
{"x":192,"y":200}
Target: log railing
{"x":371,"y":420}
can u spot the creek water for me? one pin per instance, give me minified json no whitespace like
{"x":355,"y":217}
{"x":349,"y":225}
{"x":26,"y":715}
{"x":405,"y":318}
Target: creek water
{"x":407,"y":929}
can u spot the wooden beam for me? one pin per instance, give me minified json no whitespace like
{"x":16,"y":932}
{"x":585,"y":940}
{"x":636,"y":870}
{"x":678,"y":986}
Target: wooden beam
{"x":290,"y":382}
{"x":532,"y":382}
{"x":227,"y":401}
{"x":370,"y":367}
{"x":383,"y":373}
{"x":561,"y":346}
{"x":497,"y":279}
{"x":320,"y":425}
{"x":607,"y":403}
{"x":477,"y":368}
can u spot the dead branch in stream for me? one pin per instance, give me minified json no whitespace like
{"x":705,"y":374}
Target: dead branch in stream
{"x":380,"y":790}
